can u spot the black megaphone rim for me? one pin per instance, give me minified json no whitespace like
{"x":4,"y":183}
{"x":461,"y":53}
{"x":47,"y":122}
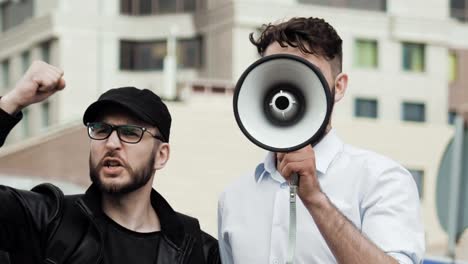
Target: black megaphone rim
{"x":315,"y":137}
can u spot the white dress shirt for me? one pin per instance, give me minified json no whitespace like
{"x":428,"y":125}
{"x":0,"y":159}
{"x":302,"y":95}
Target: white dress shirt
{"x":376,"y":194}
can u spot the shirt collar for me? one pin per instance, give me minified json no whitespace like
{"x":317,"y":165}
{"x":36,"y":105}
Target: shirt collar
{"x":325,"y":152}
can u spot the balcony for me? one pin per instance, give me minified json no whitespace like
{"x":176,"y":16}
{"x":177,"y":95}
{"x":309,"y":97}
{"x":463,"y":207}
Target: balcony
{"x":13,"y":13}
{"x":371,"y":5}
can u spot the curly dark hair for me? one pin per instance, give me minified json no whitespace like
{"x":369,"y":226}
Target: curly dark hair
{"x":310,"y":35}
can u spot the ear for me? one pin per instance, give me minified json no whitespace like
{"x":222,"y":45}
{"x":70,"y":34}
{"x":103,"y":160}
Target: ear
{"x":162,"y":155}
{"x":341,"y":83}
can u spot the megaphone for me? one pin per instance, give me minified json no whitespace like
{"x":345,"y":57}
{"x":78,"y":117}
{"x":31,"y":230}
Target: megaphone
{"x":282,"y":103}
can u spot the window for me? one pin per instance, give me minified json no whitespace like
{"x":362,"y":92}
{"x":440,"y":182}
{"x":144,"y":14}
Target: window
{"x":5,"y":74}
{"x":189,"y":53}
{"x":149,"y":55}
{"x":25,"y":61}
{"x":167,"y":6}
{"x":149,"y":7}
{"x":45,"y":51}
{"x":142,"y":55}
{"x":453,"y":66}
{"x":13,"y":13}
{"x":413,"y":57}
{"x":418,"y":176}
{"x":365,"y":53}
{"x":146,"y":7}
{"x":459,"y":10}
{"x":365,"y":108}
{"x":189,"y":5}
{"x":414,"y":112}
{"x":45,"y":112}
{"x":451,"y":117}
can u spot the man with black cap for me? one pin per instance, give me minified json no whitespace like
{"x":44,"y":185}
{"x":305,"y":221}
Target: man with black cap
{"x":120,"y":218}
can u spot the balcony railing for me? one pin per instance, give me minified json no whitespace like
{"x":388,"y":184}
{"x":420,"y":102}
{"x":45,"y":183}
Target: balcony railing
{"x":13,"y":13}
{"x":372,"y":5}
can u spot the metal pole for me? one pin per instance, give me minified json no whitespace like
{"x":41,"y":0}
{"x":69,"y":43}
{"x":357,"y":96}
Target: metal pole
{"x":454,"y":196}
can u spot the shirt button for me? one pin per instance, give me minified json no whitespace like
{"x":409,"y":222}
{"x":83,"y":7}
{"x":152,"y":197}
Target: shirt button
{"x":275,"y":261}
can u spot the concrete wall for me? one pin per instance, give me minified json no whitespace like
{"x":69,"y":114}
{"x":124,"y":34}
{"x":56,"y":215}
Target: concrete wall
{"x":421,"y":9}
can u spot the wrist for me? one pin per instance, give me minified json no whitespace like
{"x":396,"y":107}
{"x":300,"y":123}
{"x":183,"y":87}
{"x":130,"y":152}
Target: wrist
{"x":316,"y":200}
{"x":9,"y":105}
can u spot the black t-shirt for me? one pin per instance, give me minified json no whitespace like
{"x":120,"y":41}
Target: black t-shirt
{"x":123,"y":246}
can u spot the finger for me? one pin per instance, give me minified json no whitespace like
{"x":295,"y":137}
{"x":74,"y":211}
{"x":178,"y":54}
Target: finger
{"x":51,"y":81}
{"x":61,"y":84}
{"x":299,"y":155}
{"x":47,"y":84}
{"x":290,"y":168}
{"x":57,"y":70}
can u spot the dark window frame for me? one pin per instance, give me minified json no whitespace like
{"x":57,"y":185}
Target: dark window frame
{"x":360,"y":104}
{"x":407,"y":116}
{"x":137,"y":55}
{"x":154,"y":7}
{"x":356,"y":60}
{"x":407,"y":51}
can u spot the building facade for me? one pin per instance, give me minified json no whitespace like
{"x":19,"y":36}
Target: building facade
{"x":405,"y":65}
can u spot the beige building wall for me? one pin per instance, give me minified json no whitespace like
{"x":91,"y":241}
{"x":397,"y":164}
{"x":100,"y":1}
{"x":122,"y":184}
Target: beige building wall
{"x":209,"y":150}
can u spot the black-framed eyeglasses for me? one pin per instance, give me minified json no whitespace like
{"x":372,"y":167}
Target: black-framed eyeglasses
{"x":127,"y":133}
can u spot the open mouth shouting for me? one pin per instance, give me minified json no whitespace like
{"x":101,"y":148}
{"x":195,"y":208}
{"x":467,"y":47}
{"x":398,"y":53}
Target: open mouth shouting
{"x":112,"y":166}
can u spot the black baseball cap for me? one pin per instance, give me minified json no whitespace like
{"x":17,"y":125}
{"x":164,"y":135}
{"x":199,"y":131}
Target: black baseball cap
{"x":143,"y":103}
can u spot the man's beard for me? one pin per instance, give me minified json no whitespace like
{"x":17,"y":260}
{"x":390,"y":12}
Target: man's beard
{"x":138,"y":177}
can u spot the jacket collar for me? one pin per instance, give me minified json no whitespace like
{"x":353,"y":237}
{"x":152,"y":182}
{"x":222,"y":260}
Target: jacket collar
{"x":171,"y":225}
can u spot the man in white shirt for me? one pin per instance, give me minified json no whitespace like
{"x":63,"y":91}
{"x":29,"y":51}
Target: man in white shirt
{"x":355,"y":206}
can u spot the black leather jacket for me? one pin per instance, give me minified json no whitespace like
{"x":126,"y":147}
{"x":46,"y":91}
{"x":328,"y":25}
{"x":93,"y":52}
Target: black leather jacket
{"x":29,"y":219}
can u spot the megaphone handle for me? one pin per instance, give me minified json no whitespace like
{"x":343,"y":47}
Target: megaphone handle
{"x":294,"y":182}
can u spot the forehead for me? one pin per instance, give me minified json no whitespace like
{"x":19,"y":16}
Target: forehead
{"x":119,"y":116}
{"x":322,"y":63}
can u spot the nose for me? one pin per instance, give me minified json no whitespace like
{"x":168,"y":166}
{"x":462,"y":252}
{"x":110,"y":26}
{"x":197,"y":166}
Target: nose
{"x":113,"y":141}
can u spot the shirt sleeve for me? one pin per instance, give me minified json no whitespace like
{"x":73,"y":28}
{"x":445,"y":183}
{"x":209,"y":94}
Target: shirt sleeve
{"x":391,"y":215}
{"x":223,"y":240}
{"x":7,"y":122}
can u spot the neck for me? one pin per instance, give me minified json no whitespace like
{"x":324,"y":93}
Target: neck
{"x":133,"y":210}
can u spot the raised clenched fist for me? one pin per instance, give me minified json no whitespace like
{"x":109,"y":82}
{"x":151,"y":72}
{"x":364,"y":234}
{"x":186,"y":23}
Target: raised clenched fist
{"x":40,"y":81}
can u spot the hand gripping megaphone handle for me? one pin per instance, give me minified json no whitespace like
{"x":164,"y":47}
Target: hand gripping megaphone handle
{"x":293,"y":184}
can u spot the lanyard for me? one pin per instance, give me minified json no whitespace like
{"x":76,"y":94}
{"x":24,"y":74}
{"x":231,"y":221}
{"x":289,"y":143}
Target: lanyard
{"x":292,"y":217}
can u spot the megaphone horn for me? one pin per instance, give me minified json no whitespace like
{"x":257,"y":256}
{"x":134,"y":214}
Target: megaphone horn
{"x":282,"y":103}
